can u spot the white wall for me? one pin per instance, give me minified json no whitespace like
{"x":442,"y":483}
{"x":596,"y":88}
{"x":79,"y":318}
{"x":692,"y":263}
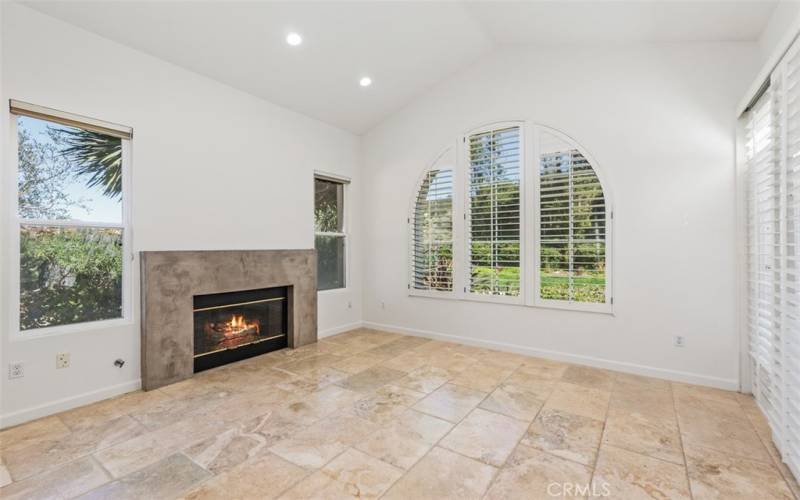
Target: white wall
{"x":659,"y":120}
{"x":782,"y":23}
{"x":779,"y":32}
{"x":194,"y":140}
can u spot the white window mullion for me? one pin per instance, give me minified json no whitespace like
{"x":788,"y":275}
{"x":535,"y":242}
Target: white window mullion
{"x":531,"y":226}
{"x":571,"y":230}
{"x":128,"y":256}
{"x":460,"y":263}
{"x":493,"y":223}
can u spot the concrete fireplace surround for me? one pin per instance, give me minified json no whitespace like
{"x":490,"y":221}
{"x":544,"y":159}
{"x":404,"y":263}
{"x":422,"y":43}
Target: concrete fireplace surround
{"x":171,"y":279}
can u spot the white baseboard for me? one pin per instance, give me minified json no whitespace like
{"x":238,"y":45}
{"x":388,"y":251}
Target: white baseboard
{"x":34,"y":412}
{"x":339,"y":329}
{"x":620,"y":366}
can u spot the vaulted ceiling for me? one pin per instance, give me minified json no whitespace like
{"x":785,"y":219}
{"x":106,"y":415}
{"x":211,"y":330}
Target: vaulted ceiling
{"x":405,"y":47}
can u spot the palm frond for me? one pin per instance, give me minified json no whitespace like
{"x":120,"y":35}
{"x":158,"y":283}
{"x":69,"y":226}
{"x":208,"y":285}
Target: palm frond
{"x":95,"y":155}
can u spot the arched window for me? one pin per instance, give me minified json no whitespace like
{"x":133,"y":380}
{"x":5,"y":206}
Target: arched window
{"x":572,"y":223}
{"x":432,"y":229}
{"x":531,"y":224}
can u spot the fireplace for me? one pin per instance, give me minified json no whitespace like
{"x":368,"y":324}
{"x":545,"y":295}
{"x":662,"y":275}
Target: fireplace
{"x":172,"y":281}
{"x":237,"y":325}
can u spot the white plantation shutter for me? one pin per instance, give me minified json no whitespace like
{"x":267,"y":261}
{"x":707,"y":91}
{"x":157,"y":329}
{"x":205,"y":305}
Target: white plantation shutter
{"x":572,"y":221}
{"x":790,"y":277}
{"x":432,"y":232}
{"x":493,"y":214}
{"x":772,"y":168}
{"x":763,"y":172}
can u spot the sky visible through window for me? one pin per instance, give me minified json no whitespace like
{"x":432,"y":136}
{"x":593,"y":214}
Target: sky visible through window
{"x":86,"y":203}
{"x":440,"y":194}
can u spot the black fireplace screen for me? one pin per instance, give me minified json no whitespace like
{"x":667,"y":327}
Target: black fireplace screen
{"x":237,"y":325}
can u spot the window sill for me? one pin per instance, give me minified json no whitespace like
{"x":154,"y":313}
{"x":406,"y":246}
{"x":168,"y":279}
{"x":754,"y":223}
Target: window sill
{"x":606,"y":309}
{"x":333,"y":291}
{"x":54,"y":331}
{"x":577,"y":306}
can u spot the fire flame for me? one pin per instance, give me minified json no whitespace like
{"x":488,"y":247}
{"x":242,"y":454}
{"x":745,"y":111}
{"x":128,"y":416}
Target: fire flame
{"x":239,"y":324}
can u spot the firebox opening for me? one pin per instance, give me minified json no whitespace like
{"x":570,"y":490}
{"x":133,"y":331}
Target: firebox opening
{"x":236,"y":325}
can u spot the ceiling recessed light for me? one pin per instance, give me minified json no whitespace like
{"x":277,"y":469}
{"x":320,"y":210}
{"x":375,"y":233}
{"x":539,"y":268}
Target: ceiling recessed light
{"x":294,"y":39}
{"x":365,"y":81}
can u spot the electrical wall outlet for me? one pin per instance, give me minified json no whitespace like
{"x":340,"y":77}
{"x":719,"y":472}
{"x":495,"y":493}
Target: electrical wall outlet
{"x":62,"y":360}
{"x":16,"y":370}
{"x":679,"y":341}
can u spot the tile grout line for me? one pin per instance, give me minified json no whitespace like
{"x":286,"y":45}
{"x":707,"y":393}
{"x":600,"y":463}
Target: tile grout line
{"x":517,"y":445}
{"x":309,"y":472}
{"x":199,"y":483}
{"x":436,"y":444}
{"x":680,"y":441}
{"x":433,"y":445}
{"x":350,"y":446}
{"x":110,"y":475}
{"x":94,"y":450}
{"x":765,"y":445}
{"x":65,"y":464}
{"x":103,"y":467}
{"x":602,"y":433}
{"x":737,"y":454}
{"x":405,"y":471}
{"x":642,"y":454}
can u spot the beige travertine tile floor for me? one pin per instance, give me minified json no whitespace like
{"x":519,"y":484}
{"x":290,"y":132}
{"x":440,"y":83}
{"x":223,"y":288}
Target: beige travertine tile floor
{"x":373,"y":414}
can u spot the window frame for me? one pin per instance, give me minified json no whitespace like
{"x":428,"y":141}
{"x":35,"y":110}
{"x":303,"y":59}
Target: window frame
{"x":530,"y":224}
{"x":465,"y":188}
{"x":14,"y":225}
{"x":607,"y":306}
{"x":448,"y":159}
{"x":344,"y":234}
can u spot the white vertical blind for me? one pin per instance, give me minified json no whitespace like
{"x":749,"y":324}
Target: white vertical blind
{"x":493,"y":216}
{"x":772,"y":172}
{"x":432,"y":232}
